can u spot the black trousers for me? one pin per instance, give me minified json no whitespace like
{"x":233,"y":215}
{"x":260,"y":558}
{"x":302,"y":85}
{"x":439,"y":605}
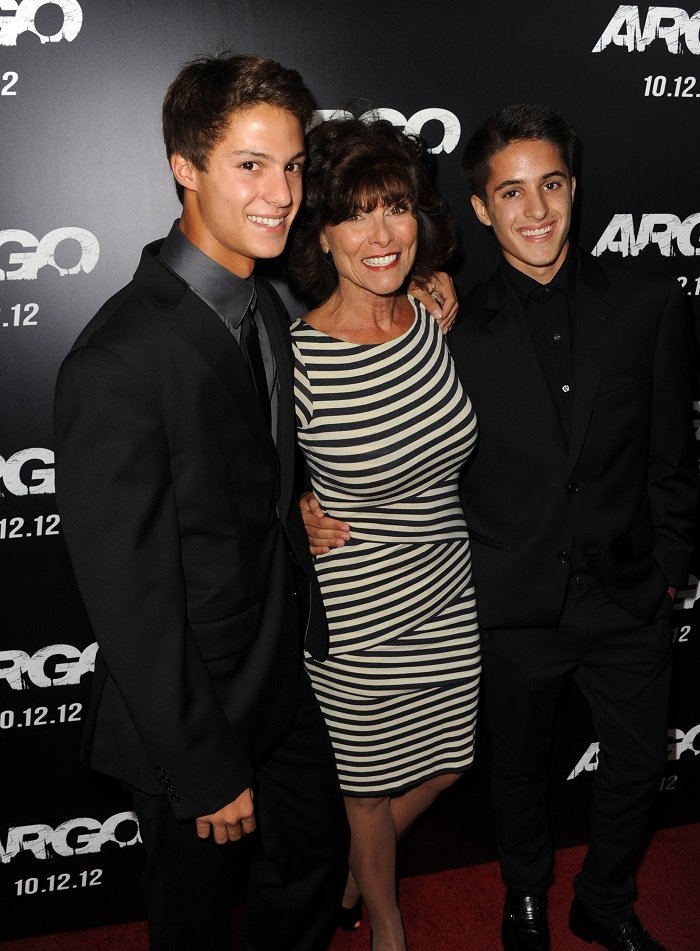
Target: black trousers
{"x":297,"y":857}
{"x":622,"y":666}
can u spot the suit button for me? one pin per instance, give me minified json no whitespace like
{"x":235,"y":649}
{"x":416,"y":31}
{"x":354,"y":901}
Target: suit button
{"x":564,"y":557}
{"x":573,"y":488}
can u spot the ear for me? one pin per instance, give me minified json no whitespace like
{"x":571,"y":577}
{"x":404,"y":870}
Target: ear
{"x":184,"y":172}
{"x":480,"y":211}
{"x":325,"y":247}
{"x":573,"y":188}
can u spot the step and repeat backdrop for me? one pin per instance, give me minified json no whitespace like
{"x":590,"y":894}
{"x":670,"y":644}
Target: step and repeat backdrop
{"x":85,"y":184}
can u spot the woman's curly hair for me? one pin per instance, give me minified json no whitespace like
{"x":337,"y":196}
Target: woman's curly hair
{"x":353,"y":166}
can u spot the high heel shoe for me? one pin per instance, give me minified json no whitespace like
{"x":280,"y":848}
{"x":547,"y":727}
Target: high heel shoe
{"x":349,"y":919}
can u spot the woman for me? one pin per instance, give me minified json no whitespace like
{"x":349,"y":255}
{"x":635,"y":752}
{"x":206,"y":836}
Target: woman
{"x":385,"y":427}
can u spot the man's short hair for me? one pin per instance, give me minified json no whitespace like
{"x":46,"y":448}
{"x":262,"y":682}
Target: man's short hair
{"x":206,"y":93}
{"x":515,"y":122}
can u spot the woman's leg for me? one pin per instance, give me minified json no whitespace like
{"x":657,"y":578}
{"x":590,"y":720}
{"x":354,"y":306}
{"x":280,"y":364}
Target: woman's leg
{"x":375,"y":825}
{"x":373,"y":866}
{"x":406,"y":807}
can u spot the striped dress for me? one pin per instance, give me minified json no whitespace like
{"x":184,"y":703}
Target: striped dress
{"x":385,"y":429}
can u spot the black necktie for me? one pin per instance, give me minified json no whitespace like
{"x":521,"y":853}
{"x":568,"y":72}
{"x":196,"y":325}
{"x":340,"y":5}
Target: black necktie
{"x":250,"y":347}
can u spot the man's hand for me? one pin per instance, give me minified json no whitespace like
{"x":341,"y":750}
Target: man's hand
{"x":231,"y":822}
{"x":439,"y":299}
{"x":324,"y":532}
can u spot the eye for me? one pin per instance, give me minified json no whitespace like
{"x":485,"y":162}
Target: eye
{"x":398,"y":209}
{"x":552,"y":186}
{"x":511,"y":193}
{"x":249,"y":166}
{"x":296,"y":168}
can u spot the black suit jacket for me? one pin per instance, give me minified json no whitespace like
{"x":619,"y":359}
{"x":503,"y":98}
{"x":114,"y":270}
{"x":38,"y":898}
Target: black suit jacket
{"x":188,"y":548}
{"x":624,"y":484}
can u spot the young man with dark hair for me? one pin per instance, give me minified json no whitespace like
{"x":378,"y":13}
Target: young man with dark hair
{"x":175,"y":455}
{"x":580,"y":502}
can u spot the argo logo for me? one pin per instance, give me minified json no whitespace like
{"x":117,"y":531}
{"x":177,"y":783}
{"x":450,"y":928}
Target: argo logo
{"x":28,"y":472}
{"x":451,"y":128}
{"x":686,"y":597}
{"x":24,"y":20}
{"x":675,"y":26}
{"x":74,"y":837}
{"x":667,"y":232}
{"x":679,"y":743}
{"x":25,"y":264}
{"x":56,"y":665}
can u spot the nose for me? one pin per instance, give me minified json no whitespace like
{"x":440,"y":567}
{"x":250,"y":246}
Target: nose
{"x":278,"y":191}
{"x":379,"y":231}
{"x":536,"y":206}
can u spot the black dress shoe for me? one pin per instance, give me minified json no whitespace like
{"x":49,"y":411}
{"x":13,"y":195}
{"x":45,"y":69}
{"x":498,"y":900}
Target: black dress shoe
{"x":525,"y":923}
{"x":630,"y":935}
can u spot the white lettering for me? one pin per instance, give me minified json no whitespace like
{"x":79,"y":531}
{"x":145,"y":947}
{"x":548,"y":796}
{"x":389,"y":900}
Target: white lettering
{"x":667,"y":232}
{"x":451,"y":128}
{"x":587,"y":763}
{"x":20,"y":477}
{"x":670,"y":24}
{"x":24,"y":265}
{"x":73,"y":837}
{"x":686,"y":597}
{"x":44,"y":669}
{"x":25,"y":14}
{"x":681,"y":743}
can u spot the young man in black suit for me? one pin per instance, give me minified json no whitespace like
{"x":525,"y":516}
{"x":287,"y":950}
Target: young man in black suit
{"x":580,"y":502}
{"x":175,"y":456}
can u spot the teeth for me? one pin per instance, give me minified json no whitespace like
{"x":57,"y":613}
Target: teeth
{"x":270,"y":222}
{"x":381,"y":262}
{"x":535,"y":232}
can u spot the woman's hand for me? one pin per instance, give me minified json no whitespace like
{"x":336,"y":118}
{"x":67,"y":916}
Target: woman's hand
{"x":324,"y":532}
{"x":439,"y":298}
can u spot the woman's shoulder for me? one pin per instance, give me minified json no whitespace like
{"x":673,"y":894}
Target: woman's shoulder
{"x":307,"y":324}
{"x":424,"y":321}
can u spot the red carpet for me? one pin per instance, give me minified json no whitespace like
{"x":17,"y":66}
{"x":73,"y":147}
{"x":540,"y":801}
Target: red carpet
{"x":460,"y":910}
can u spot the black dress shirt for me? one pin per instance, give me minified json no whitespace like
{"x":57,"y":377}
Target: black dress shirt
{"x":549,"y":311}
{"x":228,"y":295}
{"x":549,"y":314}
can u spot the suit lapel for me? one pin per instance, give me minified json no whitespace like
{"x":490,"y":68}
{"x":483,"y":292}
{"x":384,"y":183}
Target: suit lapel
{"x":276,"y":323}
{"x":592,"y":322}
{"x":195,"y":322}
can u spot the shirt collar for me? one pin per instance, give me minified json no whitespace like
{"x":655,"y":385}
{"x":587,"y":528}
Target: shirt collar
{"x":524,"y":285}
{"x":225,"y":292}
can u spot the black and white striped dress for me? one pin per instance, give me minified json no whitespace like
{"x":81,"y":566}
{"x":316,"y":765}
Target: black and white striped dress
{"x":385,"y":429}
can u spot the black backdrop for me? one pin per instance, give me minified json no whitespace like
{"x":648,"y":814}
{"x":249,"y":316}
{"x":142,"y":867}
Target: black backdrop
{"x":85,"y":184}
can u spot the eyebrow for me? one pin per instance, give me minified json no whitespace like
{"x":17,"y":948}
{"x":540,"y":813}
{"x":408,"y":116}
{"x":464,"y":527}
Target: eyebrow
{"x":556,"y":173}
{"x":264,"y":155}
